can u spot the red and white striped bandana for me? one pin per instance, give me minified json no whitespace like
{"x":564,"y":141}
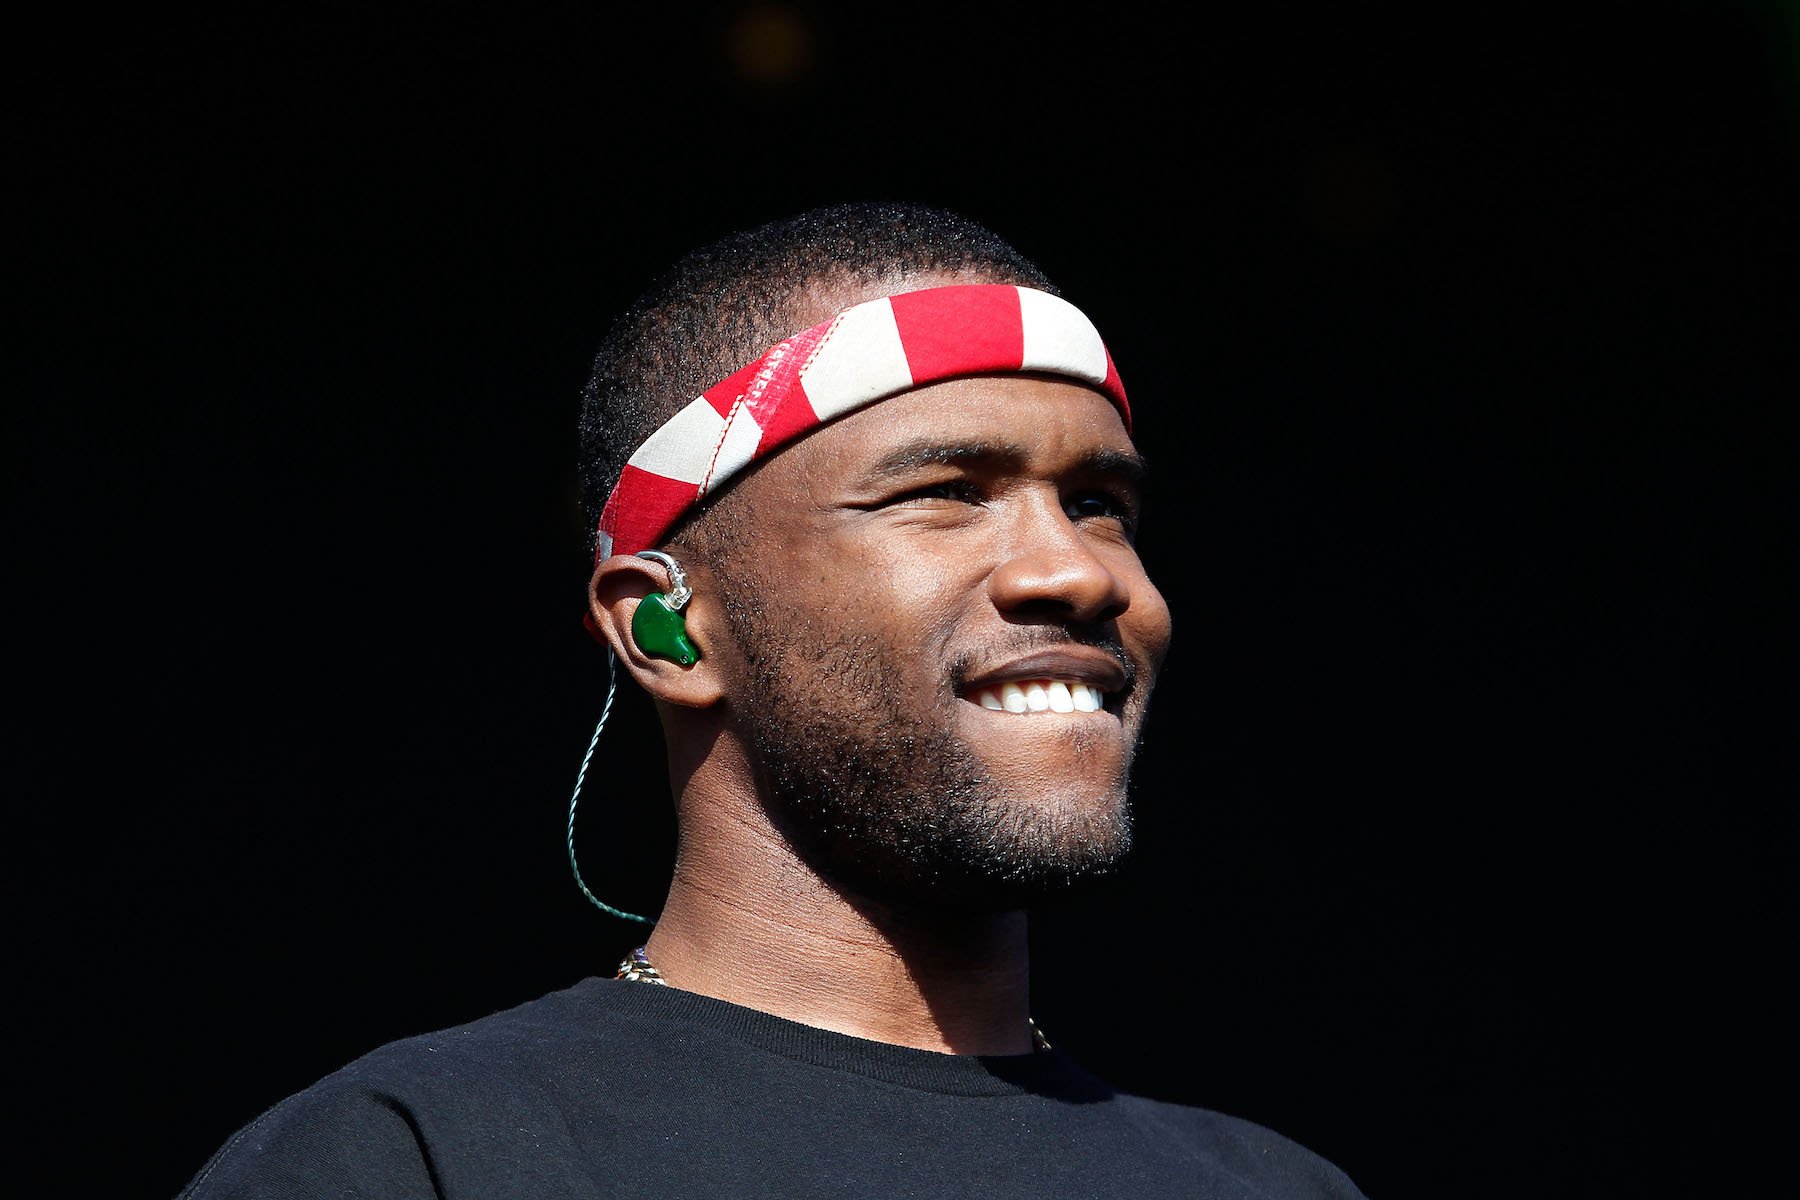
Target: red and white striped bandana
{"x":866,"y":353}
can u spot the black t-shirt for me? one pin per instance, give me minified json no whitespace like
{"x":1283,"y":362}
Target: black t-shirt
{"x":610,"y":1088}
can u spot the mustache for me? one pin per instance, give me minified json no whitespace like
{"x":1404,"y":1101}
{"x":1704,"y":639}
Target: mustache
{"x":1032,"y":638}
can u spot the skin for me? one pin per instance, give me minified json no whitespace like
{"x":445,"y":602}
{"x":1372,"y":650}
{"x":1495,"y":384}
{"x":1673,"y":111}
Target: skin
{"x":918,"y":550}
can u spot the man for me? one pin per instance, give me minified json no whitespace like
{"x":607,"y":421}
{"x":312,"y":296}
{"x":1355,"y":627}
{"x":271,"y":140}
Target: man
{"x":865,"y":494}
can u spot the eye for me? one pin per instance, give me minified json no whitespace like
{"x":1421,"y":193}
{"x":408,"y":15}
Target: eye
{"x":961,"y":491}
{"x":1085,"y":506}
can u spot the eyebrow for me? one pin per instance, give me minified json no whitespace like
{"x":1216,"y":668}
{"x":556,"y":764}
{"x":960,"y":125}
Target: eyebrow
{"x":929,"y":452}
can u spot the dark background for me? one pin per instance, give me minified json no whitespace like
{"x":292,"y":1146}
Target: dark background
{"x":1465,"y":346}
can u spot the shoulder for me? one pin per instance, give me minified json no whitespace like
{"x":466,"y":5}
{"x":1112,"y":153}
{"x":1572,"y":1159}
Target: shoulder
{"x":373,"y":1126}
{"x":338,"y":1137}
{"x":1264,"y":1162}
{"x":554,"y":1035}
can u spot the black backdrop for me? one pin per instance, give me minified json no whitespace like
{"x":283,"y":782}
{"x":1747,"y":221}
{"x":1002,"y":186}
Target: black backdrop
{"x":1465,"y":349}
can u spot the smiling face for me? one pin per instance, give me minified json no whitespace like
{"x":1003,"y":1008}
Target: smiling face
{"x":945,"y":640}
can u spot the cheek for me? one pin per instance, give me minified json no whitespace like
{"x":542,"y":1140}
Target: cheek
{"x":917,"y":600}
{"x":866,"y":597}
{"x":1147,"y":624}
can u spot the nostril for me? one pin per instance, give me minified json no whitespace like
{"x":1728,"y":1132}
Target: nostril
{"x":1065,"y":611}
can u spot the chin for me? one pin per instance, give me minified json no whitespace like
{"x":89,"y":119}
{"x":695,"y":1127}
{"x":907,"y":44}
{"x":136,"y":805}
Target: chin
{"x":1008,"y":855}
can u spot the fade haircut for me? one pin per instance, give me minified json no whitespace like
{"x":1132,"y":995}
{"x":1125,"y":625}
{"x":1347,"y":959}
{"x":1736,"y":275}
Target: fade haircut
{"x":722,"y":305}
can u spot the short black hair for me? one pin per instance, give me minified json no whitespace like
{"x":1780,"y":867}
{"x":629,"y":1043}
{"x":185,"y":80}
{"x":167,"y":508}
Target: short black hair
{"x":720,"y":306}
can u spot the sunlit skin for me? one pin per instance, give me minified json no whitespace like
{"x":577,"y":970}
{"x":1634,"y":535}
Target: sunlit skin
{"x":978,"y":532}
{"x":957,"y":537}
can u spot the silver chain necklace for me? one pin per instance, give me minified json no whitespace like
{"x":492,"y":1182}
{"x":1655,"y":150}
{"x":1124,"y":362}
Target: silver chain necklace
{"x":635,"y":967}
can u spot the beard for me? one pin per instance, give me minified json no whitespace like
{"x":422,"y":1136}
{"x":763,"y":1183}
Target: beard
{"x":866,"y":778}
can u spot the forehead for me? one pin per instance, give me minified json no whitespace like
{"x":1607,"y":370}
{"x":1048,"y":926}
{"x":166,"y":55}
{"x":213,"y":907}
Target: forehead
{"x":1045,"y":423}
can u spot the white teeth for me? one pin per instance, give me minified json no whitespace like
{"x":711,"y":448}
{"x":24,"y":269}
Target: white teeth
{"x":1042,"y":695}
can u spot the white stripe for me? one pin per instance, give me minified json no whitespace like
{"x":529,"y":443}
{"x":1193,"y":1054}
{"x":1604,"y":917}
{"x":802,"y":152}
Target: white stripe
{"x":862,"y":358}
{"x":1058,"y":337}
{"x":683,"y":448}
{"x":738,"y":448}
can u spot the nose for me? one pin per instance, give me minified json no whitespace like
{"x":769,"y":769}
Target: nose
{"x":1052,"y":571}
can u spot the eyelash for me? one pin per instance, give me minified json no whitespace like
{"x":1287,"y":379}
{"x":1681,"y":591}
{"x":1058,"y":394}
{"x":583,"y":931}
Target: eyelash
{"x":1116,"y":506}
{"x":947,"y":489}
{"x":965,"y":490}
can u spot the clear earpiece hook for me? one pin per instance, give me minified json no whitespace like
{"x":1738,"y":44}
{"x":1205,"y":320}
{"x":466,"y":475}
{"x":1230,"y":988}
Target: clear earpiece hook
{"x":679,"y":592}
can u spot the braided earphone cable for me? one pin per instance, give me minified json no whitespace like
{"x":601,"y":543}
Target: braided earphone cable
{"x":612,"y":685}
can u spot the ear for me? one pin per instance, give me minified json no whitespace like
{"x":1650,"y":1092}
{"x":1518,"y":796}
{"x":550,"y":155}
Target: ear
{"x":619,"y":585}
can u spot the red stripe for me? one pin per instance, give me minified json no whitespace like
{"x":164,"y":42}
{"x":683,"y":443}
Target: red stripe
{"x":960,"y":330}
{"x":1115,"y":387}
{"x":723,"y":394}
{"x":776,"y":398}
{"x":644,"y":505}
{"x":791,"y":418}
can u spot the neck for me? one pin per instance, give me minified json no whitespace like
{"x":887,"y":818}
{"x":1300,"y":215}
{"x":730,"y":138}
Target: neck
{"x":747,"y":921}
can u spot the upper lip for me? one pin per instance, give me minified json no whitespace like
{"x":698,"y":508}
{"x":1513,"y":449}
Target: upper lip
{"x":1078,"y":664}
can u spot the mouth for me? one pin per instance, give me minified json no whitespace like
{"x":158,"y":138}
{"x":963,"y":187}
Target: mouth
{"x":1040,"y":695}
{"x":1070,"y":680}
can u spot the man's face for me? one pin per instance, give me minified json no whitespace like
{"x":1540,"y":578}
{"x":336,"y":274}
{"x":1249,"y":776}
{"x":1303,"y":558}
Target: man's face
{"x":948,"y":640}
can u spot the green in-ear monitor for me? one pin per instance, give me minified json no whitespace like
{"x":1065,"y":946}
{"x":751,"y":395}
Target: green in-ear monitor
{"x":658,"y":626}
